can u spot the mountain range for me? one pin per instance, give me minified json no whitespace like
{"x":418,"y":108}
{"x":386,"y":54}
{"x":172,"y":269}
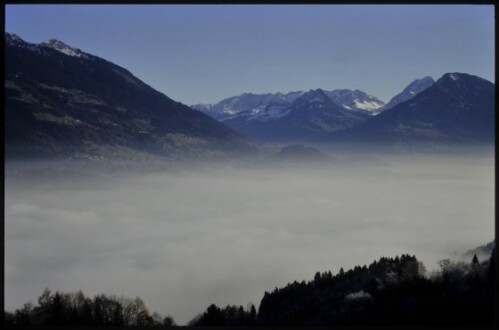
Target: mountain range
{"x":457,"y":108}
{"x":312,"y":115}
{"x":287,"y":117}
{"x":255,"y":105}
{"x":63,"y":102}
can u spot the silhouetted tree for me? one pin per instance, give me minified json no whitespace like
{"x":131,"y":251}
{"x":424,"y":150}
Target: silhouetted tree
{"x":213,"y":316}
{"x":475,"y":263}
{"x":252,"y":315}
{"x":228,"y":316}
{"x":65,"y":309}
{"x":57,"y":311}
{"x":24,"y":315}
{"x":389,"y":292}
{"x":168,"y":321}
{"x":9,"y":318}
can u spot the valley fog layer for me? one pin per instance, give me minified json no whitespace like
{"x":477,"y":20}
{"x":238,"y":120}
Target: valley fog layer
{"x":182,"y":239}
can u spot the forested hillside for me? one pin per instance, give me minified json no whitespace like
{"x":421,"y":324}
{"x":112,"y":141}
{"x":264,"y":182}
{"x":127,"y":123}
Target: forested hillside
{"x":389,"y":292}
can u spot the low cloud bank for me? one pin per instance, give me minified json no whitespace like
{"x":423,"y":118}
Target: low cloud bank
{"x":183,"y":239}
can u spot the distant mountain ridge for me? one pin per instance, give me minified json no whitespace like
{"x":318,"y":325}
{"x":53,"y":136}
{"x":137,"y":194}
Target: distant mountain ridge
{"x":263,"y":116}
{"x":253,"y":103}
{"x":356,"y":100}
{"x":308,"y":117}
{"x":253,"y":106}
{"x":414,"y":88}
{"x":63,"y":102}
{"x":458,"y":108}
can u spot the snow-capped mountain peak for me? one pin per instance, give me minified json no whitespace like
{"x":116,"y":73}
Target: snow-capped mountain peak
{"x":63,"y":48}
{"x":13,"y":39}
{"x":247,"y":104}
{"x":356,"y":100}
{"x":313,"y":96}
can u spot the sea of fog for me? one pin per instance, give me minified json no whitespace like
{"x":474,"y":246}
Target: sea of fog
{"x":184,"y":237}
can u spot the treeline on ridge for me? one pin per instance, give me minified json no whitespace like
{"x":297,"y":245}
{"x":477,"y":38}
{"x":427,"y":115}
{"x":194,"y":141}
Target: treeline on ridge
{"x":389,"y":292}
{"x":75,"y":309}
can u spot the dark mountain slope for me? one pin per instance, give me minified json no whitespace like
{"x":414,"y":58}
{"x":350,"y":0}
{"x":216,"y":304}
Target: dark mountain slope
{"x":62,"y":102}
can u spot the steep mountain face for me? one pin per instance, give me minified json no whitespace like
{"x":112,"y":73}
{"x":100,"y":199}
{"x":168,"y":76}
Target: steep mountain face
{"x":458,"y":108}
{"x":356,"y":100}
{"x":62,"y":102}
{"x":310,"y":116}
{"x":414,"y":88}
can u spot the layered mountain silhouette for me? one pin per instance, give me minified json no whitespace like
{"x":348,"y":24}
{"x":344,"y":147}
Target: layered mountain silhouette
{"x":246,"y":104}
{"x":62,"y":102}
{"x":458,"y":108}
{"x":312,"y":115}
{"x":256,"y":106}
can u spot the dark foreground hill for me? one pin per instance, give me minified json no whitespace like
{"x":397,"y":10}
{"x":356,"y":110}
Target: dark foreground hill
{"x":457,"y":109}
{"x":394,"y":292}
{"x":388,"y":292}
{"x":63,"y":103}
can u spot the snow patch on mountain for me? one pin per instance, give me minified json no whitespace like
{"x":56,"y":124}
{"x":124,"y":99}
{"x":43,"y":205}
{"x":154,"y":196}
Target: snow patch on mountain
{"x":63,"y":48}
{"x":14,"y":40}
{"x":265,"y":107}
{"x":271,"y":112}
{"x":245,"y":105}
{"x":356,"y":100}
{"x":366,"y":105}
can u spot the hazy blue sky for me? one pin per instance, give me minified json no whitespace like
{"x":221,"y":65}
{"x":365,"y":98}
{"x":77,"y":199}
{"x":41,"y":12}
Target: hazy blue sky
{"x":204,"y":53}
